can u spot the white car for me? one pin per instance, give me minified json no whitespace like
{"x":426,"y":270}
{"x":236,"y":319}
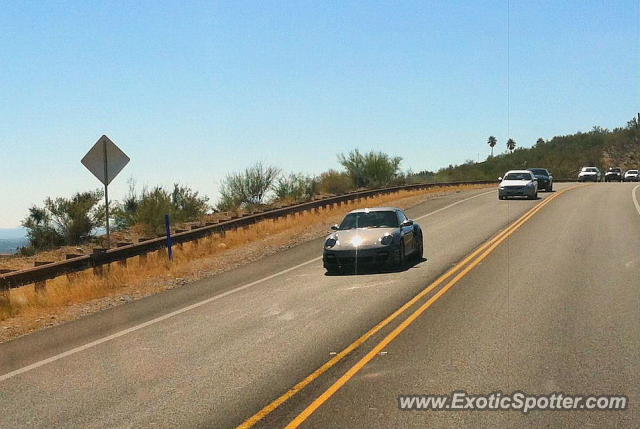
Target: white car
{"x":518,"y":183}
{"x":631,"y":176}
{"x":589,"y":174}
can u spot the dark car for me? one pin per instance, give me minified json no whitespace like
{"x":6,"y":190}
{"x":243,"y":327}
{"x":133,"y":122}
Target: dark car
{"x":614,"y":174}
{"x":374,"y":237}
{"x":544,"y":177}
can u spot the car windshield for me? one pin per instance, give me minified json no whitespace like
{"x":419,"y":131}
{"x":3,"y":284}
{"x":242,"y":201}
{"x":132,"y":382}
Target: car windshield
{"x":614,"y":170}
{"x":632,"y":172}
{"x":539,"y":171}
{"x":590,"y":170}
{"x":518,"y":176}
{"x":381,"y":219}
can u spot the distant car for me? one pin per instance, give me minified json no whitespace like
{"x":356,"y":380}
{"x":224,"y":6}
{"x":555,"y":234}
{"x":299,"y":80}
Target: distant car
{"x":544,"y":177}
{"x":518,"y":183}
{"x":589,"y":174}
{"x":614,"y":174}
{"x":632,"y":176}
{"x":373,"y":237}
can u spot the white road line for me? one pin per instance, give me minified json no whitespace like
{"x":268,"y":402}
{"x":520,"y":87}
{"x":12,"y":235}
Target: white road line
{"x":454,"y":204}
{"x":148,"y":323}
{"x":635,"y":199}
{"x":119,"y":334}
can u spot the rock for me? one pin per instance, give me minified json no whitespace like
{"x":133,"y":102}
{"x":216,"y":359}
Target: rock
{"x":222,"y":246}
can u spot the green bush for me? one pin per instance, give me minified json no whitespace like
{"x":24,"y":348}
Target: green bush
{"x":40,"y":231}
{"x":294,"y":187}
{"x":149,"y":208}
{"x":334,"y":182}
{"x":372,"y":169}
{"x":248,"y":188}
{"x":61,"y":221}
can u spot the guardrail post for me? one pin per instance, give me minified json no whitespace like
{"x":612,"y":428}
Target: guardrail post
{"x":178,"y":231}
{"x":142,"y":258}
{"x":5,"y":292}
{"x":122,"y":262}
{"x":98,"y":270}
{"x":5,"y":296}
{"x":42,"y":284}
{"x":71,"y":276}
{"x":195,"y":241}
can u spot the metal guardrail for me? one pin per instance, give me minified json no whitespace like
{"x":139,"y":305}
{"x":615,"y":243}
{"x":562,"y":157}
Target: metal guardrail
{"x":98,"y":259}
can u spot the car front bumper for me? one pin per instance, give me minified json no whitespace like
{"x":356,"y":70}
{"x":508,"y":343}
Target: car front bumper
{"x":379,"y":256}
{"x":589,"y":178}
{"x":516,"y":191}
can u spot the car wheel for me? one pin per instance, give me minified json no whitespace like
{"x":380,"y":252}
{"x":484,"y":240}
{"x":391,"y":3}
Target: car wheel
{"x":419,"y":252}
{"x":401,"y":254}
{"x":550,"y":188}
{"x":500,"y":197}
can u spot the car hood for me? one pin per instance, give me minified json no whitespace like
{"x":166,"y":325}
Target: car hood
{"x":587,"y":173}
{"x":361,"y":238}
{"x":515,"y":182}
{"x":617,"y":173}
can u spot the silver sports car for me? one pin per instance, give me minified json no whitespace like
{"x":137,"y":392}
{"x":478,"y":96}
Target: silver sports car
{"x":376,"y":237}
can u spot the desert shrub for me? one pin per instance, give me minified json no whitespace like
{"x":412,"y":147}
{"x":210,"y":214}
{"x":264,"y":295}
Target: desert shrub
{"x":40,"y":231}
{"x":334,"y":182}
{"x":372,"y":169}
{"x":149,"y":208}
{"x":69,"y":221}
{"x":247,"y":188}
{"x":294,"y":187}
{"x":188,"y":204}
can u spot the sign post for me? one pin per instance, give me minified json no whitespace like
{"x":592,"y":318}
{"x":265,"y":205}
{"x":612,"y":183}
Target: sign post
{"x":105,"y":160}
{"x":167,"y":224}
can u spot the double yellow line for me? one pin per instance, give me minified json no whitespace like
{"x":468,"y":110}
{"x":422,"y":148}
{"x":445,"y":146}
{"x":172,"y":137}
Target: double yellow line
{"x":462,"y":268}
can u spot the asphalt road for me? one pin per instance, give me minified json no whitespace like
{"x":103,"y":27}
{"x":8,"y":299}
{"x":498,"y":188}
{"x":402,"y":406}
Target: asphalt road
{"x":554,"y":307}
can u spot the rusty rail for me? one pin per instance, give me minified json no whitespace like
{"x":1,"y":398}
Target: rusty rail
{"x":37,"y":274}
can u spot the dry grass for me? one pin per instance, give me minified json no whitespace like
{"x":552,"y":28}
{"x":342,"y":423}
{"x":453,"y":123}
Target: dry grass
{"x":191,"y":261}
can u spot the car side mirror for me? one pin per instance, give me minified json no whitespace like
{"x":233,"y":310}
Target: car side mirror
{"x":407,"y":222}
{"x":335,"y":227}
{"x":500,"y":179}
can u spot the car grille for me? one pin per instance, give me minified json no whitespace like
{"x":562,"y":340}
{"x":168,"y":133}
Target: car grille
{"x":378,"y":257}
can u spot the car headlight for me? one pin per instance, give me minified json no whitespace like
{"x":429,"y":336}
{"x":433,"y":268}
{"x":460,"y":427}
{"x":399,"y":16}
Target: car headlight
{"x":330,"y":242}
{"x":386,"y":240}
{"x":501,"y":188}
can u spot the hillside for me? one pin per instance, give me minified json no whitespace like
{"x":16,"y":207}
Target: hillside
{"x":562,"y":155}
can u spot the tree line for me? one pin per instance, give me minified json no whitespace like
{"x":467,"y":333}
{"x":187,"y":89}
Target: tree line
{"x":562,"y":155}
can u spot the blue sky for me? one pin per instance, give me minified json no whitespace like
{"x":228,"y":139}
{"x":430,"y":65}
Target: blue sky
{"x":193,"y":90}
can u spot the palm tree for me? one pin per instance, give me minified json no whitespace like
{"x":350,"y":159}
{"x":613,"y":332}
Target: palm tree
{"x":511,"y":144}
{"x":492,"y":142}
